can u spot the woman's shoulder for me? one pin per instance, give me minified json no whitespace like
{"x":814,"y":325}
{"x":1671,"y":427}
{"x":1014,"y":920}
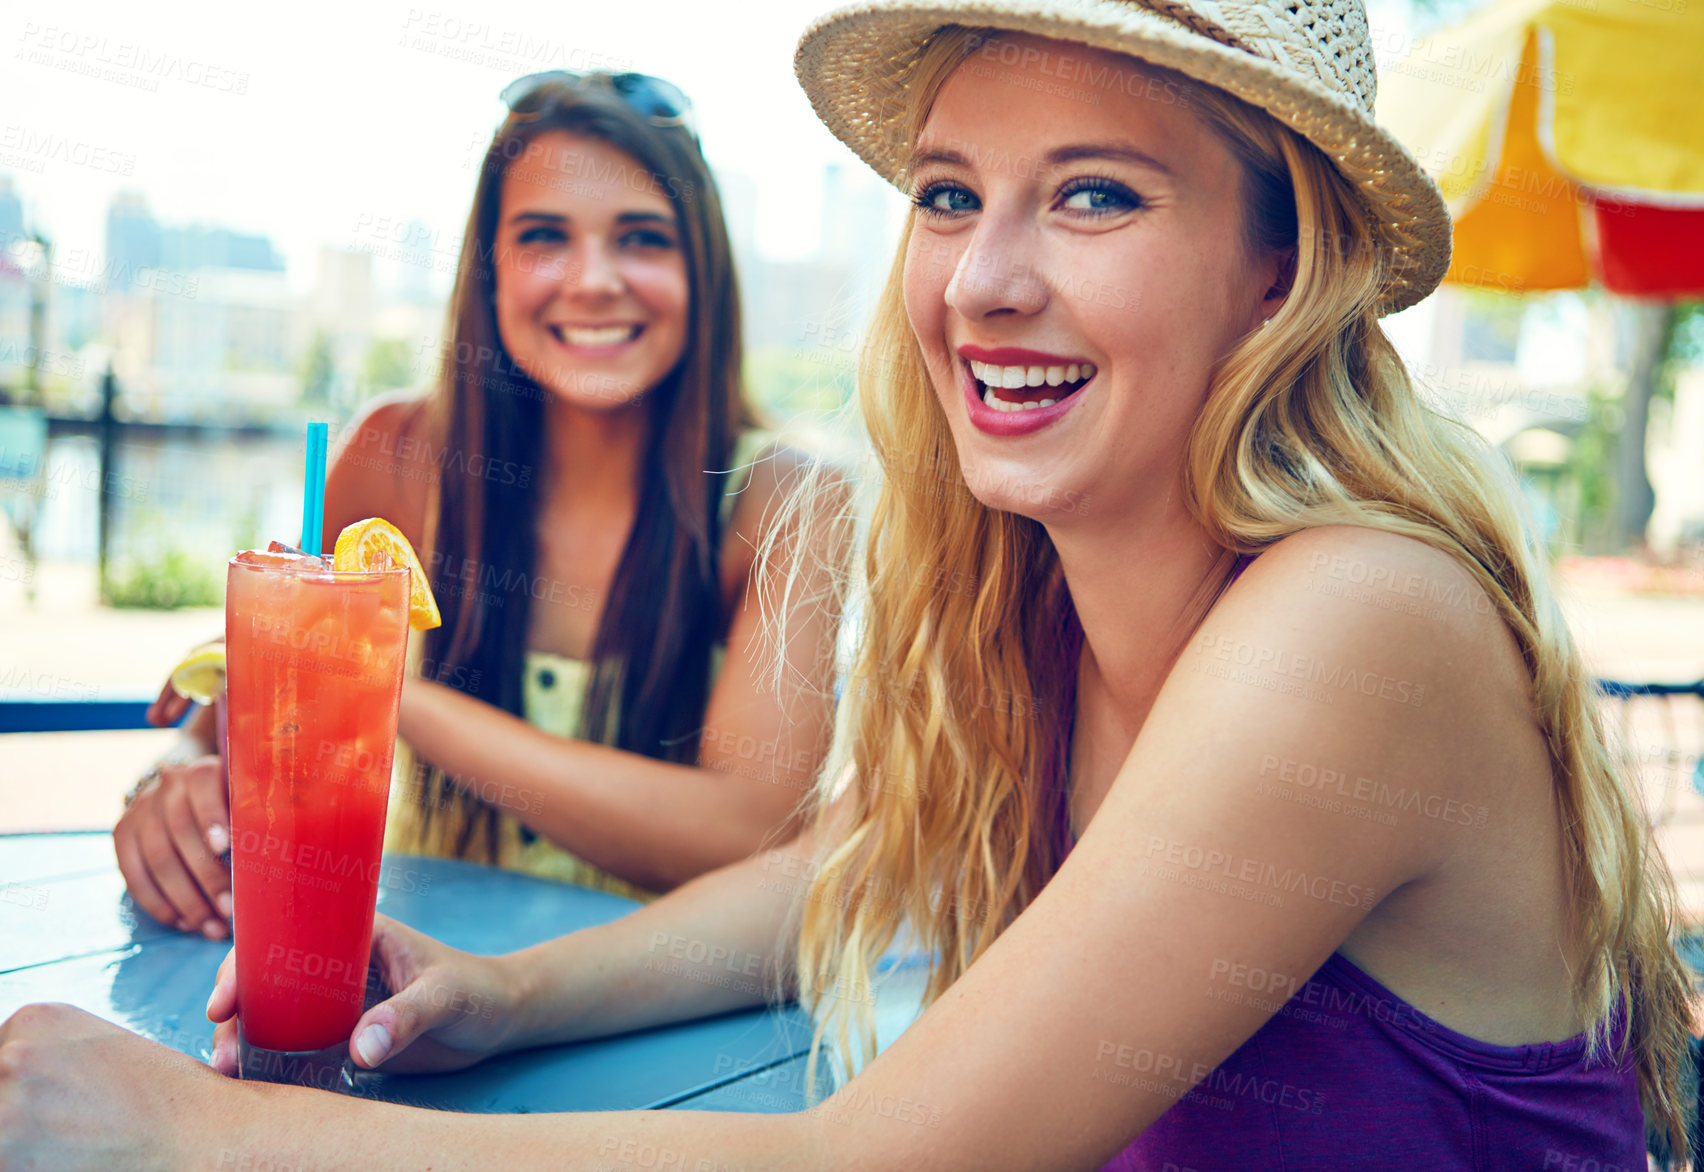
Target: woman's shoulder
{"x":386,"y":459}
{"x":1387,"y":571}
{"x":1344,"y":602}
{"x":768,"y":472}
{"x":1376,"y":659}
{"x":384,"y":422}
{"x":765,"y":470}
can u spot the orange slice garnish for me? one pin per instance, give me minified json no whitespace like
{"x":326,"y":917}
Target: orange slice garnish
{"x":376,"y":544}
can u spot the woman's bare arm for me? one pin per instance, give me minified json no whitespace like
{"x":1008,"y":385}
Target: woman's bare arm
{"x":655,"y":823}
{"x":723,"y":941}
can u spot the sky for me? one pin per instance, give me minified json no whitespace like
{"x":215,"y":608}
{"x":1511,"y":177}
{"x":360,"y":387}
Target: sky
{"x":317,"y":121}
{"x":329,"y":121}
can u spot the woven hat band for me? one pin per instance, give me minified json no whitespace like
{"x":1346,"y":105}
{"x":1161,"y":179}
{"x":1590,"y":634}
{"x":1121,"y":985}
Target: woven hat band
{"x":1189,"y":17}
{"x":1328,"y":41}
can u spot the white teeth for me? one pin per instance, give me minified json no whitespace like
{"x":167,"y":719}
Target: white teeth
{"x":604,"y":336}
{"x":992,"y":378}
{"x":1029,"y":376}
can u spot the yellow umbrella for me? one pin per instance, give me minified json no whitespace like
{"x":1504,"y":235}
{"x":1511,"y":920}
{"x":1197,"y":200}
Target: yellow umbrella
{"x":1567,"y":138}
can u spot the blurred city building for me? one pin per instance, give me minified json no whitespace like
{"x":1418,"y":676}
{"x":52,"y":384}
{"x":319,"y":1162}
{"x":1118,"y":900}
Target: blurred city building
{"x":205,"y":327}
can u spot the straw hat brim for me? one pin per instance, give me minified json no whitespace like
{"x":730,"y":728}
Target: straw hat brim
{"x":854,"y":64}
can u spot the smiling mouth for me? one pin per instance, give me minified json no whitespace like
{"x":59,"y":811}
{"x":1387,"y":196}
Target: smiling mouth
{"x":1028,"y":388}
{"x":593,"y":336}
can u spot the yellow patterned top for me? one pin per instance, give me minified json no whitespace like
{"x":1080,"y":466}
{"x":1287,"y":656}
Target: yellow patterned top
{"x":553,"y":691}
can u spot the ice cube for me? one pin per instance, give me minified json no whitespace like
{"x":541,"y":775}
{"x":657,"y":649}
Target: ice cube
{"x":299,"y":561}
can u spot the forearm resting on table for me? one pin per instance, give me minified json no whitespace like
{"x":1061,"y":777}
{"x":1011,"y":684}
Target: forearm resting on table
{"x":349,"y":1132}
{"x":653,"y":823}
{"x":722,"y":942}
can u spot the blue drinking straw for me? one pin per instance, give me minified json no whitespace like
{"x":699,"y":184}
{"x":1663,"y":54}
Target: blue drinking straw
{"x":313,"y":490}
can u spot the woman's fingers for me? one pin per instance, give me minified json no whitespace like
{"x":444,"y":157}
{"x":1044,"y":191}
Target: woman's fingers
{"x":405,"y":1032}
{"x":443,"y":1013}
{"x":396,"y":950}
{"x":164,"y":853}
{"x":205,"y":784}
{"x":222,"y":1008}
{"x":188,"y":840}
{"x":378,"y":1035}
{"x":391,"y":1026}
{"x":169,"y":874}
{"x":167,"y":707}
{"x":431,"y":996}
{"x":222,"y":1004}
{"x":137,"y":880}
{"x":224,"y":1055}
{"x":148,"y":821}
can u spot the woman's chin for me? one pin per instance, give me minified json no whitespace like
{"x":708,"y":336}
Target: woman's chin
{"x":1038,"y":502}
{"x":594,"y":390}
{"x":1025,"y":490}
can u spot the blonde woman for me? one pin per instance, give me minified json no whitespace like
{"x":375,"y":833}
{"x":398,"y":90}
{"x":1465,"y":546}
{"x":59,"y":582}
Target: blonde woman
{"x":1214,"y":723}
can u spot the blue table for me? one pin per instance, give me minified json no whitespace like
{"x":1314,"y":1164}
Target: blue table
{"x":68,"y":932}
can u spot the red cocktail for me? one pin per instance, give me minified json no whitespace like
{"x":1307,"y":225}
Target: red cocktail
{"x":314,"y":661}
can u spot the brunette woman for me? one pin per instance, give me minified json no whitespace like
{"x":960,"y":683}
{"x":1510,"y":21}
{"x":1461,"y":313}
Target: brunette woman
{"x":588,"y":489}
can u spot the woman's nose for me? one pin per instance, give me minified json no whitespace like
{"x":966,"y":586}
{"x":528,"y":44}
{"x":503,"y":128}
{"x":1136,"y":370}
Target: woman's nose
{"x":592,"y":272}
{"x":997,"y":273}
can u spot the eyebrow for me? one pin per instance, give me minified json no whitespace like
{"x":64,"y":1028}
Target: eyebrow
{"x":622,"y":218}
{"x":1057,"y":157}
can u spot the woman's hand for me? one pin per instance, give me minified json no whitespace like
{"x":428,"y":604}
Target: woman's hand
{"x":77,"y":1092}
{"x":169,"y":844}
{"x":168,"y":707}
{"x":450,"y":1009}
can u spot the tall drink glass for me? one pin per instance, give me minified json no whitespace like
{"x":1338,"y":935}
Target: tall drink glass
{"x":314,"y":662}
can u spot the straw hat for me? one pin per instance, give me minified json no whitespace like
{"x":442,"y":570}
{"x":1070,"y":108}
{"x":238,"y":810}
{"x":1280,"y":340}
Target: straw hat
{"x":1308,"y":63}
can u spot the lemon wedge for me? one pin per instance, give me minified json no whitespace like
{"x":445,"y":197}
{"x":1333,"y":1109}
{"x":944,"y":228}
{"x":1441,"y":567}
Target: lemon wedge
{"x":201,"y":674}
{"x":376,"y":544}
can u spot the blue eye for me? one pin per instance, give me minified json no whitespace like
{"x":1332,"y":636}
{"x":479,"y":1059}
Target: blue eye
{"x":1098,"y":196}
{"x":944,"y":199}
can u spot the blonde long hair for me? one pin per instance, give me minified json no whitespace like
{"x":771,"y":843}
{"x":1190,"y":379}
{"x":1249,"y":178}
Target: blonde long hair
{"x":954,"y":721}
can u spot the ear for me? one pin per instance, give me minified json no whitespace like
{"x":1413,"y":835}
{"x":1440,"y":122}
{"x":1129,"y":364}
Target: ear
{"x":1284,"y":276}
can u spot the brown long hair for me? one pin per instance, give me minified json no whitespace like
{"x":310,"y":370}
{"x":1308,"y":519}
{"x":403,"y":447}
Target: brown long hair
{"x":651,"y":656}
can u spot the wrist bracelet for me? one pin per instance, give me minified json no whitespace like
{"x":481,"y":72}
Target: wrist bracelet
{"x":146,"y":780}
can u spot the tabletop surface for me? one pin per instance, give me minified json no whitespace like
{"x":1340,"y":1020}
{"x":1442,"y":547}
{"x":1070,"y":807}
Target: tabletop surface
{"x":69,"y":933}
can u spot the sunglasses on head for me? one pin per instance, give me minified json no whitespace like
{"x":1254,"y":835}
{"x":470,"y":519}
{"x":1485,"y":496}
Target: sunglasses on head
{"x":661,"y":102}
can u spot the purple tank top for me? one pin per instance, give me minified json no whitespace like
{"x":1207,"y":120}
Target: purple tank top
{"x":1347,"y":1075}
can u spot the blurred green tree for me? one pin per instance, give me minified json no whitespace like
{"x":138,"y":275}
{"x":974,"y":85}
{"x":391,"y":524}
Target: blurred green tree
{"x":389,"y":365}
{"x":318,"y":369}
